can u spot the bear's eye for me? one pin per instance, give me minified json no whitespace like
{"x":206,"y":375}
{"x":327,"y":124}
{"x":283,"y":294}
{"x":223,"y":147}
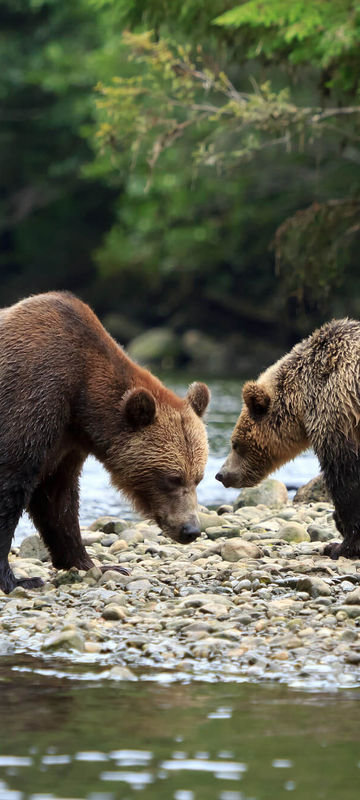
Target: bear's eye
{"x":238,"y":448}
{"x":172,"y":481}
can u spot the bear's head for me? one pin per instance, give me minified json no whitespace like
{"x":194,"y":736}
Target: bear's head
{"x":268,"y":432}
{"x":163,"y":456}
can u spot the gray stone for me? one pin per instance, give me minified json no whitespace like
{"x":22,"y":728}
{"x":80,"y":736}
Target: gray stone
{"x":121,"y":674}
{"x":132,"y":536}
{"x":352,"y":611}
{"x":314,"y":586}
{"x":68,"y":639}
{"x":236,"y":549}
{"x":109,"y":525}
{"x":353,"y":597}
{"x":313,"y":492}
{"x":271,"y":493}
{"x":156,"y":346}
{"x":222,"y":531}
{"x":114,"y":611}
{"x":33,"y":547}
{"x":140,"y":587}
{"x":109,"y":539}
{"x":199,"y":600}
{"x":320,"y":533}
{"x":116,"y":577}
{"x":224,"y":509}
{"x":91,"y":537}
{"x":207,"y":520}
{"x":294,"y":532}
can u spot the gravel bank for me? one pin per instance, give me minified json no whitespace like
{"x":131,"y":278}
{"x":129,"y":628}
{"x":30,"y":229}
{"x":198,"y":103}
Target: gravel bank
{"x":252,"y":599}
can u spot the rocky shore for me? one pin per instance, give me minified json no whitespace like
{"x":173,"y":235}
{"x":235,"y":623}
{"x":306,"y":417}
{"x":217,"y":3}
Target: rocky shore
{"x":252,"y":599}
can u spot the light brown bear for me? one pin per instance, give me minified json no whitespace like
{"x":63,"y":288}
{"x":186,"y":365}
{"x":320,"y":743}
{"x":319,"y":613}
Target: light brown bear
{"x":68,"y":390}
{"x":311,"y":397}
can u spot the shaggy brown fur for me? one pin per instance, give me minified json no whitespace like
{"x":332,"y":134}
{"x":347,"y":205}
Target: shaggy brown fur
{"x":68,"y":390}
{"x":311,"y":397}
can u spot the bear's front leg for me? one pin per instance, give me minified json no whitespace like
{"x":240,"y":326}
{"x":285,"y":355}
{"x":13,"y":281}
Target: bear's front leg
{"x":348,"y":549}
{"x":54,"y":508}
{"x":12,"y":501}
{"x":340,"y":463}
{"x":347,"y":520}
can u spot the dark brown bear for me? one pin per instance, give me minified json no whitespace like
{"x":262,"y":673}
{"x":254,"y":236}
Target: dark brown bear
{"x":68,"y":390}
{"x":311,"y":397}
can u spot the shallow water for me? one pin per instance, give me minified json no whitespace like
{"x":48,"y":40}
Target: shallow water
{"x":98,"y":496}
{"x":62,"y":738}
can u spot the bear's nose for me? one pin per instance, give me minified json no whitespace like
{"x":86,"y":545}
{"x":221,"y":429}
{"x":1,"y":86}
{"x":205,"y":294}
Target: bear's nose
{"x":224,"y":478}
{"x":189,"y":533}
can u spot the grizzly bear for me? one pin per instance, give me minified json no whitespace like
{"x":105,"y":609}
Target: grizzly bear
{"x":310,"y":397}
{"x":68,"y":390}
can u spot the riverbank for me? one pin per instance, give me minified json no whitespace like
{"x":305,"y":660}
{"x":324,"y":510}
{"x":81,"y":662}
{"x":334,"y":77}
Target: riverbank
{"x":253,"y":599}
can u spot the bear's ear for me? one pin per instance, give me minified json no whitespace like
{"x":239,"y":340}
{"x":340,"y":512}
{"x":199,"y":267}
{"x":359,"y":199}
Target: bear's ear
{"x":198,"y":396}
{"x":256,"y":398}
{"x":139,"y":408}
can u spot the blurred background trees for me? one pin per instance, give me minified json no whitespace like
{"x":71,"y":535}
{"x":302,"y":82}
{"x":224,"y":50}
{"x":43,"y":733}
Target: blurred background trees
{"x":190,"y":166}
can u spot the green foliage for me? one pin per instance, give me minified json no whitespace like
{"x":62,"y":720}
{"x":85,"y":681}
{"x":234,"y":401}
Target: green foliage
{"x":48,"y":215}
{"x":177,"y":97}
{"x":151,"y":152}
{"x":326,"y":227}
{"x":324,"y":33}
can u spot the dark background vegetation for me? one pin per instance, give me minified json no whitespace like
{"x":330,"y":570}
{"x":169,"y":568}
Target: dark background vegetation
{"x":189,"y":243}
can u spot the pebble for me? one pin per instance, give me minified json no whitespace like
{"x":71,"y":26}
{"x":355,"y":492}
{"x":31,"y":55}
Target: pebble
{"x":294,"y":532}
{"x":314,"y":587}
{"x":236,"y":549}
{"x":254,"y":597}
{"x":353,"y":597}
{"x":113,"y":611}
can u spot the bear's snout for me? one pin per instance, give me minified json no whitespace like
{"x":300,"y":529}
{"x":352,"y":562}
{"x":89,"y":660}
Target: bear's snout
{"x":224,"y":478}
{"x":188,"y":533}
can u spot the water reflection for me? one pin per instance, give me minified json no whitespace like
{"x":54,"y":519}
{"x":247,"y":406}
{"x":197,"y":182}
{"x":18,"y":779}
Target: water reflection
{"x":154,"y":742}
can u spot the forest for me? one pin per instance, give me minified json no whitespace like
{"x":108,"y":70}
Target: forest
{"x":189,"y":168}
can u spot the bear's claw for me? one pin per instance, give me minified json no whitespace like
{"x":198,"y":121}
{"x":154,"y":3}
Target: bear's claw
{"x":337,"y":549}
{"x":114,"y":568}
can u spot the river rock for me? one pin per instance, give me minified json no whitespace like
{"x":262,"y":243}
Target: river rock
{"x":320,"y":533}
{"x":156,"y":346}
{"x":294,"y":532}
{"x":354,"y":597}
{"x":314,"y":491}
{"x":236,"y":549}
{"x":217,"y":531}
{"x":132,"y":536}
{"x":224,"y":509}
{"x":121,"y":674}
{"x":109,"y":525}
{"x":139,"y":587}
{"x":271,"y":493}
{"x":205,"y":352}
{"x":116,"y":577}
{"x":207,"y":520}
{"x":314,"y":586}
{"x":65,"y":640}
{"x":352,"y":611}
{"x":114,"y":611}
{"x":33,"y":547}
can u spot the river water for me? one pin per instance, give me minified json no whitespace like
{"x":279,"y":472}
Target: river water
{"x":147,"y":741}
{"x":98,"y":497}
{"x":65,"y":734}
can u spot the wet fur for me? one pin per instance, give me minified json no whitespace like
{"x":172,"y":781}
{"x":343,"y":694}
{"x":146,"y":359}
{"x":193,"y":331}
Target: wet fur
{"x":64,"y":386}
{"x":313,"y":400}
